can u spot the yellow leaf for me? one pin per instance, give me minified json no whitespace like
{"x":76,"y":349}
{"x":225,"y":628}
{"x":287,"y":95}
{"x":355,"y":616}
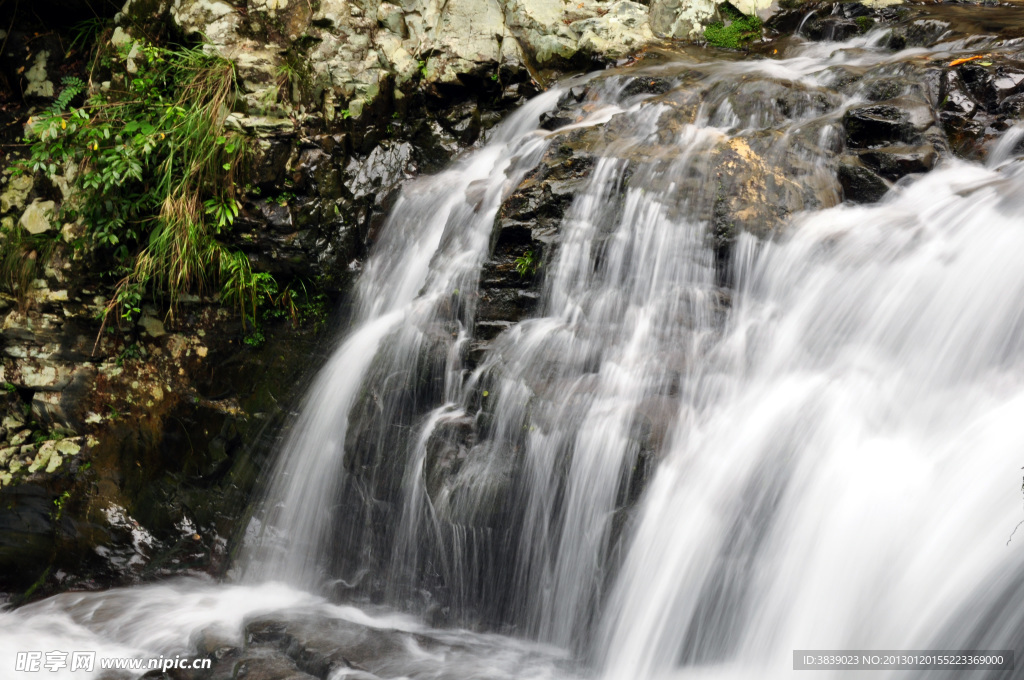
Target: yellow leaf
{"x":63,"y":125}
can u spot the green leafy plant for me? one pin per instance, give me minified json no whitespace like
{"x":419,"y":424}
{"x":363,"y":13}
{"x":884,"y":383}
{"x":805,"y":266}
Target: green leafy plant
{"x":222,"y":210}
{"x":155,"y":174}
{"x":130,"y":352}
{"x":72,"y":87}
{"x":59,"y":502}
{"x":283,"y":198}
{"x":255,"y":338}
{"x":526,"y":264}
{"x":245,"y":289}
{"x":304,"y":305}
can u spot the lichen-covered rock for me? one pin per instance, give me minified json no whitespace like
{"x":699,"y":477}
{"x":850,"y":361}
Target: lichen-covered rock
{"x":467,"y":38}
{"x":682,"y":19}
{"x":15,"y":193}
{"x":345,"y":60}
{"x":620,"y":31}
{"x":38,"y":217}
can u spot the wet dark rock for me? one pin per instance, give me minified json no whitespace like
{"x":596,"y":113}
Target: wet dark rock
{"x":553,"y":121}
{"x":504,"y":305}
{"x":526,"y":224}
{"x":919,"y":33}
{"x":642,"y":85}
{"x":276,"y":216}
{"x":575,"y":94}
{"x":462,"y":121}
{"x":1013,"y":106}
{"x":27,"y":536}
{"x":832,"y":28}
{"x":861,"y":185}
{"x":893,"y":163}
{"x":265,"y":664}
{"x":954,"y":98}
{"x":962,"y":118}
{"x":989,"y":87}
{"x":317,"y":172}
{"x":64,"y":405}
{"x":853,"y":10}
{"x":876,"y":125}
{"x":323,"y":646}
{"x":270,"y":162}
{"x":447,"y":449}
{"x":881,"y":89}
{"x":1008,"y":81}
{"x":383,"y":168}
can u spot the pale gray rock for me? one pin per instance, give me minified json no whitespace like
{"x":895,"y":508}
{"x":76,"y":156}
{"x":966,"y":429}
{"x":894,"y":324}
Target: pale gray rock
{"x":36,"y":218}
{"x":682,"y":19}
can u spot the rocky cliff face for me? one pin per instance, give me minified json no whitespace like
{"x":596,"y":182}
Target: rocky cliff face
{"x":131,"y":454}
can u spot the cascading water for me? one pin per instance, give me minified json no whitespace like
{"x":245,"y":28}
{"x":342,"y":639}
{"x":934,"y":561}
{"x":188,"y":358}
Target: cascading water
{"x":703,"y":450}
{"x":431,"y":248}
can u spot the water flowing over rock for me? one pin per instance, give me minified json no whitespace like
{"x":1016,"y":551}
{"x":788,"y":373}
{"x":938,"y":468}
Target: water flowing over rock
{"x":687,"y":364}
{"x":495,"y":473}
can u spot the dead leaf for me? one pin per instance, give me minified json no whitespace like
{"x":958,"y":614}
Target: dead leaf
{"x":957,"y":62}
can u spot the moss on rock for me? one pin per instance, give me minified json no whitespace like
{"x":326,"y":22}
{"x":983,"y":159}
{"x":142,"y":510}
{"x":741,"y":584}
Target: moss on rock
{"x":735,"y":31}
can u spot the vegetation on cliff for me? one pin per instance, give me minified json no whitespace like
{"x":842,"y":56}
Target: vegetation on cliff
{"x":153,"y":171}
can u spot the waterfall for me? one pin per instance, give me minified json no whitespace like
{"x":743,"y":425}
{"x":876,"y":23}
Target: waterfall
{"x":422,"y":272}
{"x":742,"y":417}
{"x":642,"y":375}
{"x":854,"y":483}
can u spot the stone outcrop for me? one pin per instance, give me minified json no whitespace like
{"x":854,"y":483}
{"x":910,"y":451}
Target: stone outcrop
{"x":346,"y":59}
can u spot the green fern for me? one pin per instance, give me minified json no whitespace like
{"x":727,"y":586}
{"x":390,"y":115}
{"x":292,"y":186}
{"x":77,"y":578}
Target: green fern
{"x":72,"y":88}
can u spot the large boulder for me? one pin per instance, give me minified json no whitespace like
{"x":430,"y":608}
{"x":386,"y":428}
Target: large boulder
{"x":682,"y":19}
